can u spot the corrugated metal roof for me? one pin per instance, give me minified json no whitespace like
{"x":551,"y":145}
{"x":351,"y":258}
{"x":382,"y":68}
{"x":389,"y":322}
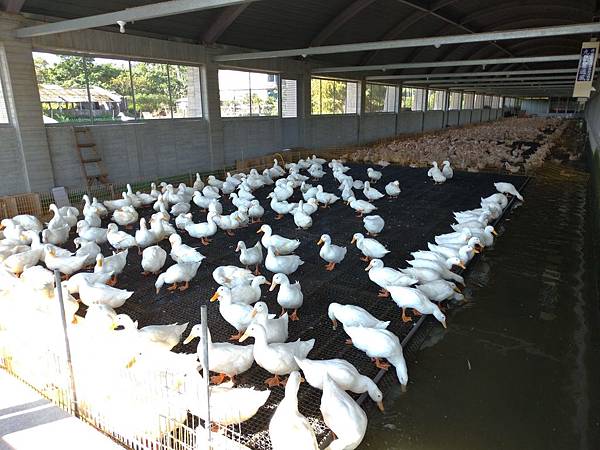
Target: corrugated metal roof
{"x":52,"y":93}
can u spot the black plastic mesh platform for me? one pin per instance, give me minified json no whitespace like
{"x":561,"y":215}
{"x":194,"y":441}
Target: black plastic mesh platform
{"x":422,"y":211}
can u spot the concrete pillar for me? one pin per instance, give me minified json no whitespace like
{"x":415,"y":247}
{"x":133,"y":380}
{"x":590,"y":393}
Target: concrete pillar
{"x":24,"y":108}
{"x":212,"y":112}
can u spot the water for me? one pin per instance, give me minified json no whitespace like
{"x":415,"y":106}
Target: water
{"x":518,"y":367}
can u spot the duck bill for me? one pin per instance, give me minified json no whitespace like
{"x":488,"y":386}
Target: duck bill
{"x":253,"y":313}
{"x":215,"y":297}
{"x":457,"y":290}
{"x":189,"y":339}
{"x":380,"y":406}
{"x":494,"y":232}
{"x":259,"y":231}
{"x":462,"y":265}
{"x":268,"y":283}
{"x":273,"y":285}
{"x":369,"y":266}
{"x":476,"y":250}
{"x":244,"y":337}
{"x":335,"y":324}
{"x":444,"y":324}
{"x":320,"y":241}
{"x":353,"y":240}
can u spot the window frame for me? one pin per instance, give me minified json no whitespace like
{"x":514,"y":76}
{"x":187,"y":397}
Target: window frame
{"x":417,"y":89}
{"x":397,"y":92}
{"x":9,"y":119}
{"x":129,"y":60}
{"x":279,"y":96}
{"x":296,"y":81}
{"x":359,"y":88}
{"x":459,"y":103}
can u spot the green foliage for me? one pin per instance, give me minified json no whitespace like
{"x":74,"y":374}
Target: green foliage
{"x":328,"y":96}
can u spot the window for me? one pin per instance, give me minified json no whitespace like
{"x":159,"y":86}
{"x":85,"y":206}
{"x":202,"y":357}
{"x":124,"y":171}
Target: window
{"x":289,"y":98}
{"x":478,"y":102}
{"x":380,"y":98}
{"x":436,"y":100}
{"x":333,"y":96}
{"x":467,"y":100}
{"x":413,"y":99}
{"x":454,"y":102}
{"x":495,"y":102}
{"x":245,"y":94}
{"x":3,"y":112}
{"x":88,"y":89}
{"x":487,"y":101}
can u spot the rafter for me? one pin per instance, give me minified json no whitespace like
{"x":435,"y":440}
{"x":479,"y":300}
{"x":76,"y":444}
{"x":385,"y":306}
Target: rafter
{"x":225,"y":18}
{"x":339,"y":21}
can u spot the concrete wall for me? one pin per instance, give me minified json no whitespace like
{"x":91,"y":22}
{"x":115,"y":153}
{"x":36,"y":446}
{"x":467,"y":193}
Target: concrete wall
{"x":485,"y":115}
{"x":535,"y":106}
{"x":410,"y":122}
{"x":433,"y":120}
{"x":377,"y":126}
{"x":452,"y":118}
{"x":476,"y":116}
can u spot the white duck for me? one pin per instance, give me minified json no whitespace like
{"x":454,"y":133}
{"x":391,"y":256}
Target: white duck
{"x":276,"y":328}
{"x":508,"y":188}
{"x":406,"y":297}
{"x":56,"y":236}
{"x":92,"y":278}
{"x":353,"y":316}
{"x":374,"y":175}
{"x":203,"y":230}
{"x":230,"y":276}
{"x":183,"y":220}
{"x":442,"y":268}
{"x":343,"y":373}
{"x":277,"y":358}
{"x":373,"y":224}
{"x":288,"y":428}
{"x":145,"y":237}
{"x":153,"y":259}
{"x":89,"y":249}
{"x":90,"y":233}
{"x":163,"y":336}
{"x":289,"y":296}
{"x":227,"y":223}
{"x":255,"y":211}
{"x":112,"y":205}
{"x":99,"y":206}
{"x":377,"y":344}
{"x":440,"y":290}
{"x":111,"y":264}
{"x":182,"y":272}
{"x":343,"y":416}
{"x":447,"y":170}
{"x":369,"y":247}
{"x":282,"y":245}
{"x":325,"y":198}
{"x":67,"y":265}
{"x":125,"y":216}
{"x":180,"y":208}
{"x":183,"y":253}
{"x":286,"y":264}
{"x":57,"y":221}
{"x":201,"y":201}
{"x":280,"y":207}
{"x":301,"y":218}
{"x":361,"y":207}
{"x":393,"y":189}
{"x":228,"y":360}
{"x":238,"y":315}
{"x":198,"y":183}
{"x":119,"y":239}
{"x":436,"y":174}
{"x":18,"y":262}
{"x":248,"y":293}
{"x":28,"y":222}
{"x":283,"y":191}
{"x":252,"y":256}
{"x":100,"y":293}
{"x":332,"y":254}
{"x":371,"y":193}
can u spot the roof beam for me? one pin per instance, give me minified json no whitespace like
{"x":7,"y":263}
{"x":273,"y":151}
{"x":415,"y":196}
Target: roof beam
{"x":463,"y":62}
{"x":487,"y":80}
{"x":151,"y":11}
{"x":428,"y":76}
{"x":226,"y":17}
{"x":12,"y":6}
{"x":561,"y":30}
{"x":340,"y":20}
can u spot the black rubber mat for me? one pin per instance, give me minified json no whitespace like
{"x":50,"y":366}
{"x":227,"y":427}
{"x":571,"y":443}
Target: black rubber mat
{"x":421,"y":211}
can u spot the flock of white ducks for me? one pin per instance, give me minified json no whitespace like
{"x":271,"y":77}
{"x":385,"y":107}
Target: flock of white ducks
{"x":146,"y":352}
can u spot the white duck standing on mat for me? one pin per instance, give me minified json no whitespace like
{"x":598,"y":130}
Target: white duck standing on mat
{"x":255,"y":211}
{"x":369,"y":247}
{"x":343,"y":373}
{"x":371,"y":193}
{"x":114,"y":264}
{"x":224,"y":358}
{"x":325,"y":198}
{"x":248,"y":293}
{"x":252,"y":256}
{"x":153,"y":260}
{"x":282,"y":245}
{"x":374,"y":175}
{"x":288,"y":428}
{"x":447,"y":170}
{"x":286,"y":264}
{"x":276,"y":328}
{"x":436,"y":174}
{"x":289,"y":296}
{"x":373,"y":224}
{"x":163,"y":336}
{"x":238,"y":315}
{"x":178,"y":273}
{"x":508,"y":188}
{"x":353,"y":316}
{"x":280,"y":207}
{"x":144,"y":237}
{"x":301,"y":218}
{"x":378,"y":344}
{"x":343,"y":416}
{"x":182,"y":253}
{"x":393,"y":189}
{"x":203,"y":230}
{"x":331,"y":253}
{"x":406,"y":297}
{"x":277,"y":358}
{"x":119,"y":239}
{"x":361,"y":206}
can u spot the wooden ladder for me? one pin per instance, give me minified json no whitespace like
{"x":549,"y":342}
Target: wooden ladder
{"x":92,"y":166}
